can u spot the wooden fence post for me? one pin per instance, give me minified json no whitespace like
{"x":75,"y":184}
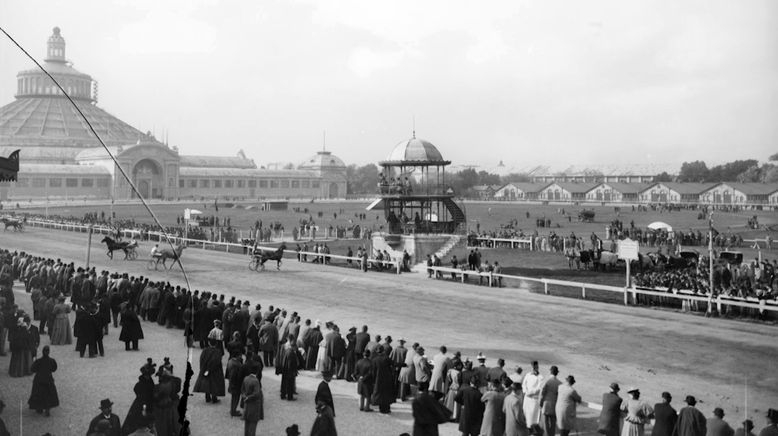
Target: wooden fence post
{"x":583,"y":292}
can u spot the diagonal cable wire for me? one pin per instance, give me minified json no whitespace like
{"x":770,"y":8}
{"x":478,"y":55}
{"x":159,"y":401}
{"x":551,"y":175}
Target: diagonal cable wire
{"x":135,"y":190}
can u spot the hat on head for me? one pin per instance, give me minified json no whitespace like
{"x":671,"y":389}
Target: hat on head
{"x":666,"y":395}
{"x":690,"y":400}
{"x":481,"y":356}
{"x":293,"y":430}
{"x":402,"y":340}
{"x":772,"y":414}
{"x":718,"y":411}
{"x":106,"y":403}
{"x":633,"y":389}
{"x":748,"y":424}
{"x":570,"y":379}
{"x":614,"y":387}
{"x":352,"y":329}
{"x":326,"y":373}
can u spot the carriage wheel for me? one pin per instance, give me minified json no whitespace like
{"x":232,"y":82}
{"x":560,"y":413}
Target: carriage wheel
{"x":253,"y":264}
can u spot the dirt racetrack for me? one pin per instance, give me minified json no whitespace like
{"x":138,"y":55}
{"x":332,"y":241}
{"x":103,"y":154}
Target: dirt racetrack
{"x":655,"y":350}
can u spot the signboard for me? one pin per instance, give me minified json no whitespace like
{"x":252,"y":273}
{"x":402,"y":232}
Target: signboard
{"x":187,"y":214}
{"x":628,"y":249}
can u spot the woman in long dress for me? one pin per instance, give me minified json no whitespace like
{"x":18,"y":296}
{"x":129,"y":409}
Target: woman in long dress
{"x":638,"y":414}
{"x":132,"y":331}
{"x":61,"y":334}
{"x":407,"y":375}
{"x":20,"y":342}
{"x":567,"y":399}
{"x":454,"y":382}
{"x":143,"y":405}
{"x":44,"y":393}
{"x":493,"y":423}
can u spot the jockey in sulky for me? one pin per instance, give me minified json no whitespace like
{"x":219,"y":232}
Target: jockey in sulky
{"x":155,"y":251}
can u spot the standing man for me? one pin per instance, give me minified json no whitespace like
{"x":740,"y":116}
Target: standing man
{"x":610,"y":416}
{"x":364,"y":375}
{"x":472,"y":408}
{"x":532,"y":385}
{"x":323,"y":393}
{"x":548,"y":398}
{"x":289,"y":363}
{"x":253,"y":409}
{"x":440,"y":366}
{"x":106,"y":414}
{"x":691,"y":422}
{"x":772,"y":424}
{"x":717,"y":426}
{"x":665,"y":417}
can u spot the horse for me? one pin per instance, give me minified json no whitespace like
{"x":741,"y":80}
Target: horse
{"x":115,"y":245}
{"x":277,"y":255}
{"x":18,"y":225}
{"x":167,"y":253}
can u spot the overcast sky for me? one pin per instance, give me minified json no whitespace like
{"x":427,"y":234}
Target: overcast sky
{"x":578,"y":82}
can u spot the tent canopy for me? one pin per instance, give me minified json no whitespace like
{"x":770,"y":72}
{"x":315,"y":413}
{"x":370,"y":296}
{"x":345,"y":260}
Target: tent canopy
{"x":659,"y":225}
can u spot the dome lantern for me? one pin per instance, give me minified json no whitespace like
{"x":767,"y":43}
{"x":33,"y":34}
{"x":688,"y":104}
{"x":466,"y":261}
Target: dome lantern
{"x":56,"y":51}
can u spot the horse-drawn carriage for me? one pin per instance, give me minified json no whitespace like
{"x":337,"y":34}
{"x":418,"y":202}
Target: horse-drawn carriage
{"x":586,"y":215}
{"x":260,"y":256}
{"x":16,"y":223}
{"x":130,"y":248}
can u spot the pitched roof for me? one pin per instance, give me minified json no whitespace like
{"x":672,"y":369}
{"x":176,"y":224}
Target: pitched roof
{"x":688,"y":188}
{"x":577,"y":188}
{"x":752,"y":188}
{"x":527,"y":187}
{"x":629,"y":188}
{"x":28,"y":169}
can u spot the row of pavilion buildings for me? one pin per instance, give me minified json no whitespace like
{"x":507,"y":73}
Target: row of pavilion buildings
{"x":724,"y":193}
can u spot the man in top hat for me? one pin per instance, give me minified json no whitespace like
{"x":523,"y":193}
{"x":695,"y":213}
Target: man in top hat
{"x":323,"y":393}
{"x":610,"y":416}
{"x":691,"y":422}
{"x":106,"y":414}
{"x":717,"y":426}
{"x":664,"y":417}
{"x":746,"y":429}
{"x":772,"y":424}
{"x":293,"y":430}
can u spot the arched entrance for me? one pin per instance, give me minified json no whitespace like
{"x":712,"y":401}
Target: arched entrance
{"x":148,"y":178}
{"x":334,"y":189}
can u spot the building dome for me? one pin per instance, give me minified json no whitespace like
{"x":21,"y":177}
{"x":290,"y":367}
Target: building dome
{"x":44,"y":124}
{"x":323,"y":160}
{"x":415,"y":150}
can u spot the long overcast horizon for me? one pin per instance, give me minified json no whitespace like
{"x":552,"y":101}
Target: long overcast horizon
{"x":596,"y":82}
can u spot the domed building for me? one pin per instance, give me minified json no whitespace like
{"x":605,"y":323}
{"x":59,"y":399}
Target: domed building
{"x":61,"y":158}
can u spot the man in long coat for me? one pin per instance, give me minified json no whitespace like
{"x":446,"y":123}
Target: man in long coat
{"x":691,"y":422}
{"x":610,"y":416}
{"x":515,"y":422}
{"x":441,"y":363}
{"x":311,"y":343}
{"x":350,"y":360}
{"x":289,"y":362}
{"x":428,"y":413}
{"x":384,"y":392}
{"x":336,"y":350}
{"x":472,"y":408}
{"x":717,"y":426}
{"x":532,"y":385}
{"x":323,"y":392}
{"x":268,"y":341}
{"x":253,"y":409}
{"x":363,"y":372}
{"x":548,"y":397}
{"x":665,"y":417}
{"x":211,"y":378}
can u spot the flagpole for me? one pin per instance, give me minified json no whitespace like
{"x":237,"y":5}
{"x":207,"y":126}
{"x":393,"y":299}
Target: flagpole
{"x":710,"y":265}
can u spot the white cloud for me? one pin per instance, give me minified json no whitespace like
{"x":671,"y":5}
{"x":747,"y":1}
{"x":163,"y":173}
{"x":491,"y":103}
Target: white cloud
{"x":364,"y":61}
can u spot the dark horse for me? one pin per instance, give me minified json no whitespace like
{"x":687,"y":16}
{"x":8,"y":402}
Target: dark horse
{"x":18,"y":225}
{"x":116,"y":245}
{"x":277,"y":255}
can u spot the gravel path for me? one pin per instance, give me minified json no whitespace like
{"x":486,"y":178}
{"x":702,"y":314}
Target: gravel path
{"x":654,"y":349}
